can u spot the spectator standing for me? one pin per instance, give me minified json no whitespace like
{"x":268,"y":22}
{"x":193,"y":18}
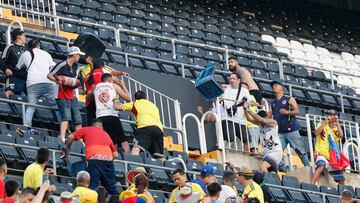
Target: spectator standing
{"x":199,"y":180}
{"x":16,"y":83}
{"x":104,"y":94}
{"x":92,"y":74}
{"x":37,"y":63}
{"x":3,"y":172}
{"x":226,"y":191}
{"x":27,"y":195}
{"x":149,"y":134}
{"x":231,"y":114}
{"x":229,"y":179}
{"x":245,"y":77}
{"x":251,"y":188}
{"x":66,"y":101}
{"x":214,"y":190}
{"x":33,"y":174}
{"x":180,"y":180}
{"x":284,"y":110}
{"x":328,"y":135}
{"x":100,"y":155}
{"x":269,"y":138}
{"x":12,"y":191}
{"x":82,"y":190}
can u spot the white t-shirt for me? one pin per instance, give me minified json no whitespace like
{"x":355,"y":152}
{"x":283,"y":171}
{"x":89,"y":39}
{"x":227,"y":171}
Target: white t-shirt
{"x":269,"y":138}
{"x":39,"y":68}
{"x":231,"y":93}
{"x":104,"y":94}
{"x":226,"y":192}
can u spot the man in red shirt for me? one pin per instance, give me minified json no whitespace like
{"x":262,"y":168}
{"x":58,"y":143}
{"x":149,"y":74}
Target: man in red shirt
{"x":100,"y":153}
{"x":12,"y":191}
{"x":3,"y":172}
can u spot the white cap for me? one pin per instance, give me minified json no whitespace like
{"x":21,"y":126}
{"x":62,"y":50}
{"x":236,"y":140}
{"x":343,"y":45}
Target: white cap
{"x":75,"y":50}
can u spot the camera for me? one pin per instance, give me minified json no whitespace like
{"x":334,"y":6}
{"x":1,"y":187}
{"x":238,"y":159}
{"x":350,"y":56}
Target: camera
{"x":233,"y":109}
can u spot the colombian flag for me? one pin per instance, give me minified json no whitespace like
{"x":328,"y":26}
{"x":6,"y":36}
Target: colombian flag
{"x":337,"y":159}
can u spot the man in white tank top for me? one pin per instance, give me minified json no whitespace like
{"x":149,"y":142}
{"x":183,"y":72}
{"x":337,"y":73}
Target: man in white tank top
{"x":269,"y":138}
{"x":104,"y":95}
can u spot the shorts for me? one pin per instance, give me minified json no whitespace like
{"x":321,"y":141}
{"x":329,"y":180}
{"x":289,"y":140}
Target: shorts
{"x":229,"y":126}
{"x":273,"y":158}
{"x":16,"y":85}
{"x":69,"y":110}
{"x":151,"y":139}
{"x":337,"y":175}
{"x":257,"y":95}
{"x":112,"y":125}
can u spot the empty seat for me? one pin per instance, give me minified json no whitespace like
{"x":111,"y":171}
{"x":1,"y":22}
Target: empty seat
{"x":311,"y":187}
{"x":296,"y":45}
{"x":290,"y":181}
{"x":282,"y":42}
{"x":309,"y":48}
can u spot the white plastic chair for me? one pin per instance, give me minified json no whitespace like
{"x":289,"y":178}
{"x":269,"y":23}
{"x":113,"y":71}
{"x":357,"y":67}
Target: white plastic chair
{"x":268,"y":38}
{"x":296,"y":45}
{"x":300,"y":61}
{"x":322,"y":51}
{"x":328,"y":67}
{"x":344,"y":80}
{"x":357,"y":59}
{"x":312,"y":64}
{"x":339,"y":63}
{"x":347,"y":56}
{"x":309,"y":48}
{"x":283,"y":50}
{"x":352,"y":65}
{"x":297,"y":54}
{"x":282,"y":42}
{"x":312,"y":56}
{"x":325,"y":59}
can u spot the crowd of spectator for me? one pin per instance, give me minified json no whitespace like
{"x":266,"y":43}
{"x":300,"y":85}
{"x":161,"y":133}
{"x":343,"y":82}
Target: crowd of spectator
{"x":243,"y":112}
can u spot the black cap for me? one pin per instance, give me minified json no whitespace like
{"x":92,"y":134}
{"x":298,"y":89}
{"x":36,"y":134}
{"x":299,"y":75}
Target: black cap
{"x":16,"y":32}
{"x":277,"y":81}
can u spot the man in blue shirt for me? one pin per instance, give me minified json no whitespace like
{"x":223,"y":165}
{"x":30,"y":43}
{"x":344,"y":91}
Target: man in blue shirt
{"x":284,"y":110}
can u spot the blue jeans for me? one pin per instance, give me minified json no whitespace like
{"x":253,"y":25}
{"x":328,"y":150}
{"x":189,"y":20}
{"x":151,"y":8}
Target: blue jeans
{"x":294,"y":139}
{"x":104,"y":172}
{"x":36,"y":92}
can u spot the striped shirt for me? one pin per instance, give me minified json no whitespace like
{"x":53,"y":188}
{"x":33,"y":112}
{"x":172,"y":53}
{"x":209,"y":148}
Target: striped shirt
{"x":63,"y":68}
{"x":10,"y":57}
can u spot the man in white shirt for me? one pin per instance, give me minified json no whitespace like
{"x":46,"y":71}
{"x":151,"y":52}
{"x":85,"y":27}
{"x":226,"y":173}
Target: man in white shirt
{"x":38,"y":64}
{"x":105,"y":94}
{"x":226,"y":191}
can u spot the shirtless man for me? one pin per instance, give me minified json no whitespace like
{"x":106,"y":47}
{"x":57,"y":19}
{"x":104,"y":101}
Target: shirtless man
{"x":245,"y":78}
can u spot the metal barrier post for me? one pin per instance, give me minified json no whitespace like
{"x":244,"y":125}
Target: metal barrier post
{"x":117,"y":37}
{"x":54,"y":161}
{"x":332,"y":79}
{"x":126,"y":60}
{"x":173,"y":48}
{"x":323,"y":198}
{"x":200,"y":132}
{"x":178,"y":122}
{"x":358,"y":142}
{"x":226,"y":59}
{"x":281,"y":69}
{"x":182,"y":70}
{"x":342,"y":103}
{"x":23,"y":111}
{"x":311,"y":149}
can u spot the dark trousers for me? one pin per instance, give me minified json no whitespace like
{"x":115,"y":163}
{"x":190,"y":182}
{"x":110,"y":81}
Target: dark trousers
{"x":104,"y":172}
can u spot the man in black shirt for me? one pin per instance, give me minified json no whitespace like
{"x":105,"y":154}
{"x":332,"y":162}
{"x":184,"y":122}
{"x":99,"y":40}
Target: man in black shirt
{"x":16,"y":83}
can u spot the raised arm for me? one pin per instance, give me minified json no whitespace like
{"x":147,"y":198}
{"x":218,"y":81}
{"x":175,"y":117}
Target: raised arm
{"x":256,"y":119}
{"x":340,"y":132}
{"x":121,"y":90}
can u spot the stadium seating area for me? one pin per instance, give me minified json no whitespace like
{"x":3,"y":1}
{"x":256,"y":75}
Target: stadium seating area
{"x":256,"y":27}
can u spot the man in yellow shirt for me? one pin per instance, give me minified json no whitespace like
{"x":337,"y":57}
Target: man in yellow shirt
{"x":192,"y":189}
{"x":330,"y":127}
{"x":149,"y":133}
{"x":82,"y":190}
{"x":251,"y":189}
{"x":33,"y":174}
